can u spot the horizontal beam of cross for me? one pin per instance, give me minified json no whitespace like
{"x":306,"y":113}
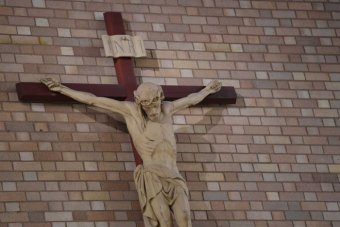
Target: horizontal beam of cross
{"x":37,"y":92}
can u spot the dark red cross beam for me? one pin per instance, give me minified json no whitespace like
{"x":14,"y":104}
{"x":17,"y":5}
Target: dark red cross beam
{"x":37,"y":92}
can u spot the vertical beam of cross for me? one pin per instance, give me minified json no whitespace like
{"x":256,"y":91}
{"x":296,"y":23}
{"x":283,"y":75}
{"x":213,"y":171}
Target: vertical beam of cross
{"x":124,"y":66}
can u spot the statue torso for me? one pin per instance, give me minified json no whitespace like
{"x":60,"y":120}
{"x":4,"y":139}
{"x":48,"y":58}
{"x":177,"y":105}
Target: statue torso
{"x":159,"y":135}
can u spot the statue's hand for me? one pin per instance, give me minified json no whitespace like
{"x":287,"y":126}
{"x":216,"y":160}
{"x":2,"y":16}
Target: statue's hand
{"x":214,"y":86}
{"x":52,"y":84}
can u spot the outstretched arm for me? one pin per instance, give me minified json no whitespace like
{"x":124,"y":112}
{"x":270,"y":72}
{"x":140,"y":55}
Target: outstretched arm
{"x":195,"y":98}
{"x":87,"y":98}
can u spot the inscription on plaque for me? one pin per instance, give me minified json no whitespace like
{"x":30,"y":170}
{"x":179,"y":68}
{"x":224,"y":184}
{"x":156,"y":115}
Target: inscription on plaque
{"x":123,"y":46}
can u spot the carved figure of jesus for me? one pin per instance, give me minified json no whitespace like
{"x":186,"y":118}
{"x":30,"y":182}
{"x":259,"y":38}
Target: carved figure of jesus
{"x":161,"y":189}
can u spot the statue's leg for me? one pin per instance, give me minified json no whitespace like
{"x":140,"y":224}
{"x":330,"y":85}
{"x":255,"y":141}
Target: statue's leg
{"x":181,"y":209}
{"x":162,"y":210}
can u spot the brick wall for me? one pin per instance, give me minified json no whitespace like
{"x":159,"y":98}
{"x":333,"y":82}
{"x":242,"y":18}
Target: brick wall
{"x":273,"y":159}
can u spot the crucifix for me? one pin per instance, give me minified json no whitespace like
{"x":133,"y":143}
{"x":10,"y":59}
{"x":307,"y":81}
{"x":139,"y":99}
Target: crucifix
{"x":37,"y":92}
{"x":148,"y":119}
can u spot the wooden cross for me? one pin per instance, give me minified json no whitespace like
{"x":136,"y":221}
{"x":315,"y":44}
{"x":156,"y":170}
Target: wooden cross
{"x":37,"y":92}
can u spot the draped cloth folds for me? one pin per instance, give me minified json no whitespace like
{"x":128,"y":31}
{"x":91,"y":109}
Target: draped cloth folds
{"x":154,"y":179}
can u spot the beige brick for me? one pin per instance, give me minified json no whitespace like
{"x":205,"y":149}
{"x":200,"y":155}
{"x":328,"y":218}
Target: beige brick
{"x":7,"y":176}
{"x":185,"y":64}
{"x":69,"y":166}
{"x":147,"y":63}
{"x":51,"y":176}
{"x":200,"y":205}
{"x":23,"y":146}
{"x":14,"y":217}
{"x":217,"y":47}
{"x":266,"y":168}
{"x":211,"y":176}
{"x":82,"y":33}
{"x":221,"y":65}
{"x":259,"y":215}
{"x":278,"y":140}
{"x":54,"y":196}
{"x":5,"y":29}
{"x":70,"y":60}
{"x":96,"y":196}
{"x":9,"y":67}
{"x":6,"y":11}
{"x":93,"y":176}
{"x":27,"y":166}
{"x":85,"y":136}
{"x":12,"y":196}
{"x":39,"y":3}
{"x":5,"y":166}
{"x":58,"y":216}
{"x":313,"y":206}
{"x":194,"y":20}
{"x":5,"y":39}
{"x":190,"y":167}
{"x":21,"y":21}
{"x":64,"y":32}
{"x":40,"y":117}
{"x":41,"y":22}
{"x":334,"y":168}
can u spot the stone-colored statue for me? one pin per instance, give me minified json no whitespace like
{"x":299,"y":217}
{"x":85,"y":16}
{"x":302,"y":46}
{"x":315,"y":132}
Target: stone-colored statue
{"x":161,"y":188}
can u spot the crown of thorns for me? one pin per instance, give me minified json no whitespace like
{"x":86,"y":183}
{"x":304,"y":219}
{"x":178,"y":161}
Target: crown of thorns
{"x":148,"y":93}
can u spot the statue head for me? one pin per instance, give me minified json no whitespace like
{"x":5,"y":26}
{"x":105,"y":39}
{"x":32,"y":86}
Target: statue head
{"x":148,"y":97}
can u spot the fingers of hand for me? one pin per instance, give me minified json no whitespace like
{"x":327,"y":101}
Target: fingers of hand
{"x":44,"y":81}
{"x":49,"y":82}
{"x":216,"y":85}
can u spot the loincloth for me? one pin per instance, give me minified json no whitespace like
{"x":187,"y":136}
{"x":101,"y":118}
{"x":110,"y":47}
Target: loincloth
{"x":155,"y":179}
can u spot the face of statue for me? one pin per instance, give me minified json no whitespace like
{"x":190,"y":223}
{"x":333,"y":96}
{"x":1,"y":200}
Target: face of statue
{"x":149,"y":96}
{"x":152,"y":108}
